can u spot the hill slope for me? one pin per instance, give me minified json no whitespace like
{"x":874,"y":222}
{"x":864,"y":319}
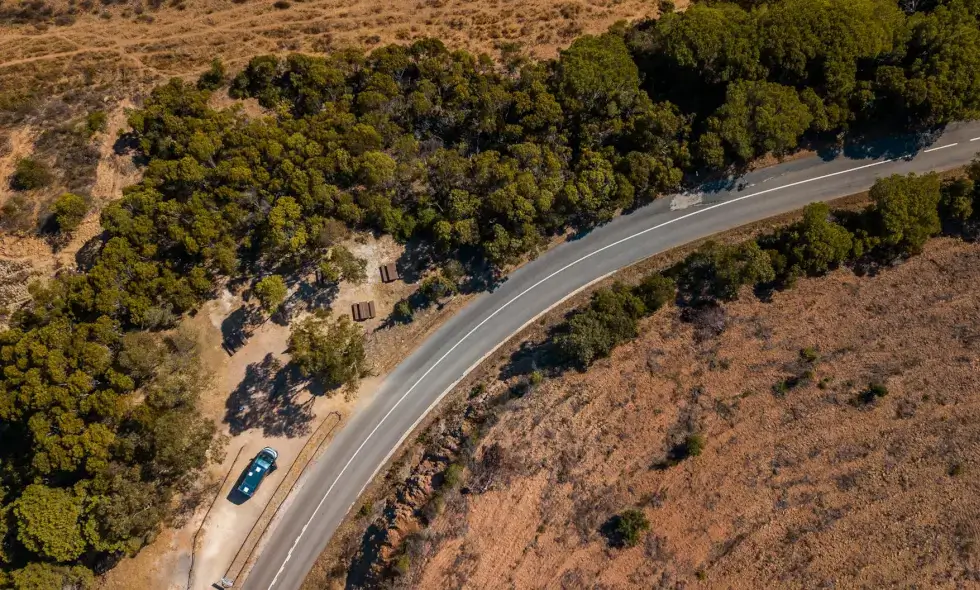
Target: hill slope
{"x":797,"y":486}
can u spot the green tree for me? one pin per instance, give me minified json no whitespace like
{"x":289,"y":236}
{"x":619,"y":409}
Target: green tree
{"x":271,"y":292}
{"x":717,"y":271}
{"x":957,"y":199}
{"x":906,"y":209}
{"x":761,"y":117}
{"x":610,"y":319}
{"x":30,"y":174}
{"x":343,"y":265}
{"x":214,"y":77}
{"x":597,"y":75}
{"x":49,"y":523}
{"x":655,"y":291}
{"x":437,"y":286}
{"x":813,"y":246}
{"x":69,"y":211}
{"x":330,"y":350}
{"x":45,"y":576}
{"x":939,"y":82}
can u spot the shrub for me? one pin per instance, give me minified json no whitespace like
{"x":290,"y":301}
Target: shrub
{"x":811,"y":247}
{"x":69,"y":211}
{"x":437,"y":286}
{"x":630,"y":526}
{"x":656,"y":291}
{"x":402,"y":565}
{"x":809,"y":354}
{"x":30,"y":174}
{"x":874,"y":391}
{"x":17,"y":214}
{"x":610,"y":319}
{"x":694,"y":445}
{"x":403,"y":311}
{"x":214,"y":77}
{"x":717,"y":271}
{"x":95,"y":122}
{"x":452,"y":476}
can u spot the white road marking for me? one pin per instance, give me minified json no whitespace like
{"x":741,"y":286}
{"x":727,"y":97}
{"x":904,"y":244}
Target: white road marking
{"x":289,"y":554}
{"x":975,"y":139}
{"x":942,"y":147}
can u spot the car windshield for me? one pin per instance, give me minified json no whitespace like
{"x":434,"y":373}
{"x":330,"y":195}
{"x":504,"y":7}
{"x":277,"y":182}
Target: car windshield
{"x":262,"y":462}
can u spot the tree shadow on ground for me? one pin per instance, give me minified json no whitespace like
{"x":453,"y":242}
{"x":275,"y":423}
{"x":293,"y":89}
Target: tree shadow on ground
{"x":267,"y":398}
{"x":362,"y":573}
{"x":538,"y":355}
{"x":418,"y":256}
{"x":235,"y":329}
{"x":873,"y":147}
{"x":316,"y":295}
{"x":612,"y":533}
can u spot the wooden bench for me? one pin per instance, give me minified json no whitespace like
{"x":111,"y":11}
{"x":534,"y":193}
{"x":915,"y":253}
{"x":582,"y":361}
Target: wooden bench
{"x":389,"y":273}
{"x":362,"y":311}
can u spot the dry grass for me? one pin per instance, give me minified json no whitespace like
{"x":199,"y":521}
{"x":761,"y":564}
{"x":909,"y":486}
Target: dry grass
{"x":125,"y":47}
{"x":799,"y":489}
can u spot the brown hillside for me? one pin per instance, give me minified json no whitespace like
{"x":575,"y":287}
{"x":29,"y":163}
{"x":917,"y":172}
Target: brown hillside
{"x":798,"y":487}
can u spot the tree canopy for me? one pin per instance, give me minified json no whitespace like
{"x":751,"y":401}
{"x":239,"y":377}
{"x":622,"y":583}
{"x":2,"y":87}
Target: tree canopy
{"x":330,"y":350}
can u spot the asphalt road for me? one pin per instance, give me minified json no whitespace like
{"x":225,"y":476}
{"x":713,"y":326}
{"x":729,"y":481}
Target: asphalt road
{"x":333,"y":484}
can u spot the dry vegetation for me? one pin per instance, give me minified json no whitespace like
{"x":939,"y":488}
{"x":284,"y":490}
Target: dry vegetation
{"x":798,"y":486}
{"x":83,"y":54}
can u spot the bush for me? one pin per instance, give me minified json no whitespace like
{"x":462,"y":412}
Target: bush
{"x":809,"y":354}
{"x":656,"y":291}
{"x":403,"y":311}
{"x":95,"y":122}
{"x":30,"y":174}
{"x":214,"y":77}
{"x":17,"y":214}
{"x":69,"y":211}
{"x":716,"y":272}
{"x":811,"y":247}
{"x":694,"y":445}
{"x":873,"y":392}
{"x":610,"y":319}
{"x":437,"y":286}
{"x":402,"y":565}
{"x":452,"y":476}
{"x":629,"y":527}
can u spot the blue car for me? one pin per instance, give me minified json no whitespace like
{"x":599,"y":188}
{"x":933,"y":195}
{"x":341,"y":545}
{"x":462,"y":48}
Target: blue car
{"x":262,"y":464}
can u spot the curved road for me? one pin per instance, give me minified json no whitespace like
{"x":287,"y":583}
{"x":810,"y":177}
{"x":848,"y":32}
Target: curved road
{"x":335,"y":481}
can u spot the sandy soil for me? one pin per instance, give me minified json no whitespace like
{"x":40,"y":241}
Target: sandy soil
{"x":803,"y":489}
